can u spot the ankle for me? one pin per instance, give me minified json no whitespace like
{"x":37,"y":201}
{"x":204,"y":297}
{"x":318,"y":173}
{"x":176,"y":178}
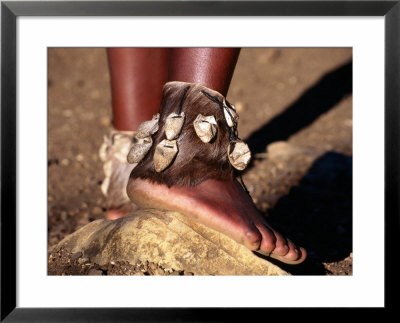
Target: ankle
{"x":207,"y":145}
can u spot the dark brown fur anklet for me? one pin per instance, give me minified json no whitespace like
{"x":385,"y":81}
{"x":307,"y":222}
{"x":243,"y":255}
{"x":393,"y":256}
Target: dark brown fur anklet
{"x":195,"y":139}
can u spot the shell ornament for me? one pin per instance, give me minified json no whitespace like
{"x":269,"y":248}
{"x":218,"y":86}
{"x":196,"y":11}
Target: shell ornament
{"x":230,"y":114}
{"x":148,"y":128}
{"x":205,"y":127}
{"x":164,"y":154}
{"x":174,"y":125}
{"x":142,"y":141}
{"x":239,"y":154}
{"x":140,"y":148}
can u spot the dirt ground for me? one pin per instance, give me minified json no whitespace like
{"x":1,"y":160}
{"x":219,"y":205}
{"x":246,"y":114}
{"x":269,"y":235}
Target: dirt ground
{"x":295,"y":108}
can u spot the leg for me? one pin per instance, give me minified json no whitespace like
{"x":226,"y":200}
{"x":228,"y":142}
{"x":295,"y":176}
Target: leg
{"x":212,"y":67}
{"x":194,"y":184}
{"x":137,"y":77}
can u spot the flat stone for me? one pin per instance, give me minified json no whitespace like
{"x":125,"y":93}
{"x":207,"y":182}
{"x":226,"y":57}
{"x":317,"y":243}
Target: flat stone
{"x":168,"y":239}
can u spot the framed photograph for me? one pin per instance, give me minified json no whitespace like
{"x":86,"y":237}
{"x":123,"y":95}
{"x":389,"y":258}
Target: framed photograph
{"x":351,"y":62}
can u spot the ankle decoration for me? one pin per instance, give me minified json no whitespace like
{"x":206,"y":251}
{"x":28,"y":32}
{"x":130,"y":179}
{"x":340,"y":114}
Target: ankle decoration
{"x":240,"y":155}
{"x":140,"y":147}
{"x":166,"y":150}
{"x":148,"y":128}
{"x":142,"y":141}
{"x":194,"y":138}
{"x":238,"y":152}
{"x":165,"y":153}
{"x":173,"y":125}
{"x":205,"y":127}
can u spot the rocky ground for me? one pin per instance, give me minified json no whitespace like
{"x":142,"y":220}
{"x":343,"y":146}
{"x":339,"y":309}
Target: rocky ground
{"x":65,"y":263}
{"x":295,"y":107}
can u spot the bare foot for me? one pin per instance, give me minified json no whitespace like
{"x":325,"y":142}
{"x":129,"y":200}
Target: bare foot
{"x":223,"y":206}
{"x":199,"y":182}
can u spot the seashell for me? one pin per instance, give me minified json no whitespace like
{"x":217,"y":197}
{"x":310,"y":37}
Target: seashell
{"x":148,"y":128}
{"x":165,"y":153}
{"x":173,"y":125}
{"x":229,"y":105}
{"x":205,"y":127}
{"x":230,"y":114}
{"x":240,"y":155}
{"x":140,"y":148}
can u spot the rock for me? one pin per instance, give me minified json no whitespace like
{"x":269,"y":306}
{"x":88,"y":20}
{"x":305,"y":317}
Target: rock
{"x":65,"y":162}
{"x":168,"y":239}
{"x":83,"y":260}
{"x":76,"y":255}
{"x":79,"y":157}
{"x":95,"y":272}
{"x":63,"y":215}
{"x":160,"y":272}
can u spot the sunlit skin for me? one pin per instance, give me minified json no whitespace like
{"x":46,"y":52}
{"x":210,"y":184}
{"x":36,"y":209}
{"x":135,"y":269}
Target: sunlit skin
{"x":221,"y":205}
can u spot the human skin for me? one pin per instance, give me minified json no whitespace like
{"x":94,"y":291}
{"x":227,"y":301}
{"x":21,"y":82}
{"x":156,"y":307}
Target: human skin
{"x":137,"y":77}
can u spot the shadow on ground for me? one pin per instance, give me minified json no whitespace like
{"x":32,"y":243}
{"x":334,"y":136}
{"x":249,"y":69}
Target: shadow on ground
{"x":330,"y":90}
{"x":317,"y":214}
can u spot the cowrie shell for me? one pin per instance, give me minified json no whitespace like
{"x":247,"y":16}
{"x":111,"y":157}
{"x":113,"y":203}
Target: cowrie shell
{"x":205,"y":127}
{"x":148,"y":128}
{"x":140,"y":148}
{"x":231,"y":116}
{"x":231,"y":106}
{"x":164,"y":154}
{"x":173,"y":125}
{"x":239,"y":154}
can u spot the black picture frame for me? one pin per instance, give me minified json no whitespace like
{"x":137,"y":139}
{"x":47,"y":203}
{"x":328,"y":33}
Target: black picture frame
{"x":10,"y":10}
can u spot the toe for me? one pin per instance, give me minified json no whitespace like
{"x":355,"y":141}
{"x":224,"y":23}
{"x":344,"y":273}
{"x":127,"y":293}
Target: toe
{"x":281,"y":248}
{"x":252,"y":237}
{"x":294,"y":252}
{"x":268,"y":243}
{"x":303,"y":255}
